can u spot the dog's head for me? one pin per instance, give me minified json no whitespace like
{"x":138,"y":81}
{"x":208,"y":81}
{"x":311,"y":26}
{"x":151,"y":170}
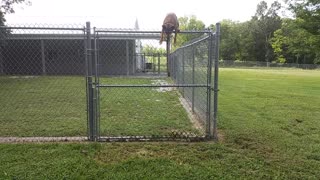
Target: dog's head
{"x":168,"y":28}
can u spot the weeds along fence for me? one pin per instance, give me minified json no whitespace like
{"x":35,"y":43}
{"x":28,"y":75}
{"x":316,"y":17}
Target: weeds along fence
{"x":107,"y":84}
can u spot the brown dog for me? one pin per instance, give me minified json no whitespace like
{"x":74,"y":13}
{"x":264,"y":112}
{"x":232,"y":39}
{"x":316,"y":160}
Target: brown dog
{"x":170,"y":24}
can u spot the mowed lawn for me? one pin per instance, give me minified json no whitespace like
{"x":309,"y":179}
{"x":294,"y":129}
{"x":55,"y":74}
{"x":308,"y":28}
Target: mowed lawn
{"x":56,"y":106}
{"x":269,"y":126}
{"x":43,"y":106}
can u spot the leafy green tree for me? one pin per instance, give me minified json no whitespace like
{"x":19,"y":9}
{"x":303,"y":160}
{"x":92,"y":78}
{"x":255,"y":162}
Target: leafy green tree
{"x":6,"y":7}
{"x":151,"y":50}
{"x":293,"y":44}
{"x":309,"y":11}
{"x":265,"y":22}
{"x":230,"y":42}
{"x":237,"y":41}
{"x":188,"y":23}
{"x":308,"y":14}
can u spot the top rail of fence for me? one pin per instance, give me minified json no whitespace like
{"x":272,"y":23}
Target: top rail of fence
{"x":43,"y":28}
{"x":193,"y":42}
{"x":146,"y":32}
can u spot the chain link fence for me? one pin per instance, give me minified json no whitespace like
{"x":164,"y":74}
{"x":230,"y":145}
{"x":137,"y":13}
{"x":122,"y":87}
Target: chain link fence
{"x":106,"y":84}
{"x":42,"y":82}
{"x":190,"y":65}
{"x":261,"y":64}
{"x":135,"y":102}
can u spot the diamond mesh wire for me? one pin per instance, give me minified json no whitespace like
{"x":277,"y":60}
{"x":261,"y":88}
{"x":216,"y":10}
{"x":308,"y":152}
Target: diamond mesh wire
{"x":129,"y":66}
{"x":42,"y":82}
{"x":190,"y":66}
{"x":43,"y":92}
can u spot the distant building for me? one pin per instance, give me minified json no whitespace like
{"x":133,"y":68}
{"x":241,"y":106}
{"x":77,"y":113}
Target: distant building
{"x":64,"y":54}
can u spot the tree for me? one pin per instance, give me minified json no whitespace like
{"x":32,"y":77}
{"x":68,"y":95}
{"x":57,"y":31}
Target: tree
{"x":151,"y":50}
{"x":6,"y":7}
{"x":229,"y":40}
{"x":293,"y":44}
{"x":188,"y":23}
{"x":308,"y":11}
{"x":263,"y":25}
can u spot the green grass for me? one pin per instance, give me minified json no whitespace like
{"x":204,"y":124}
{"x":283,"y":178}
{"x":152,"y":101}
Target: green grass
{"x":273,"y":109}
{"x":56,"y":106}
{"x":42,"y":106}
{"x":269,"y":129}
{"x":141,"y":111}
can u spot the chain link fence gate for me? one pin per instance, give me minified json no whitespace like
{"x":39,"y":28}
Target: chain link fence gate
{"x":129,"y":104}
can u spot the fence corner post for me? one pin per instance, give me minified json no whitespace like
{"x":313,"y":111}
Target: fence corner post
{"x":168,"y":53}
{"x":216,"y":78}
{"x":90,"y":88}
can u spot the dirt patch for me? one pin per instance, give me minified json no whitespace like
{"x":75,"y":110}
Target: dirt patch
{"x":195,"y":120}
{"x":161,"y":82}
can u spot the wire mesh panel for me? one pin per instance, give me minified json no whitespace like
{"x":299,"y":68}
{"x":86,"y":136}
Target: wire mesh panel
{"x":191,"y":65}
{"x":127,"y":92}
{"x":136,"y":99}
{"x":42,"y":82}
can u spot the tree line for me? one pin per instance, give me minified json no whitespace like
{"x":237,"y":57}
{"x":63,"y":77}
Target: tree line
{"x":267,"y":36}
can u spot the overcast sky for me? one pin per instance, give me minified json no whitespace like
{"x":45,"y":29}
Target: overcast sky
{"x":123,"y":13}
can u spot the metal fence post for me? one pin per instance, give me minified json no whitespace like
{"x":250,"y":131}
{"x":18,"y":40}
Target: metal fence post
{"x":127,"y":58}
{"x":158,"y":63}
{"x":153,"y":63}
{"x":209,"y":86}
{"x":91,"y":135}
{"x":193,"y":77}
{"x":43,"y":57}
{"x":1,"y":61}
{"x":97,"y":90}
{"x":216,"y":75}
{"x":183,"y":74}
{"x":168,"y":53}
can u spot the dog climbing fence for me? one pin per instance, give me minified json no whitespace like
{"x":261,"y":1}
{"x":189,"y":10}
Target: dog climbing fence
{"x":126,"y":94}
{"x":131,"y":104}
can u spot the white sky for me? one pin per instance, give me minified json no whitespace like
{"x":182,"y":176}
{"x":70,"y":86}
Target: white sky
{"x":123,"y":13}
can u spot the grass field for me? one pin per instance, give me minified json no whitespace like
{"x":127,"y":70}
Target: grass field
{"x":141,"y":111}
{"x":269,"y":126}
{"x":56,"y":106}
{"x":42,"y":106}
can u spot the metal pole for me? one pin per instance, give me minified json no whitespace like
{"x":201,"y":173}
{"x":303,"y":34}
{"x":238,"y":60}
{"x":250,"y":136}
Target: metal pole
{"x":183,"y":70}
{"x":193,"y":80}
{"x":154,"y":63}
{"x":97,"y":90}
{"x":1,"y":62}
{"x":209,"y":74}
{"x":90,"y":84}
{"x":151,"y":32}
{"x":158,"y":63}
{"x":216,"y":75}
{"x":127,"y":57}
{"x":168,"y":52}
{"x":144,"y":62}
{"x":133,"y":58}
{"x":43,"y":58}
